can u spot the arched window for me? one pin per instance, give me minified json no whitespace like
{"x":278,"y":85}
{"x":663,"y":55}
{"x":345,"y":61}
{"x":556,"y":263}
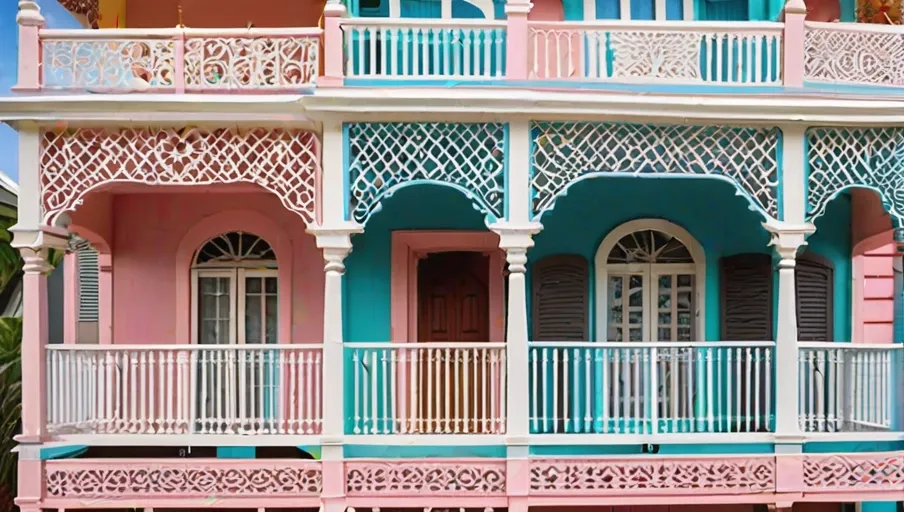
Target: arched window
{"x":234,"y":291}
{"x":650,"y":277}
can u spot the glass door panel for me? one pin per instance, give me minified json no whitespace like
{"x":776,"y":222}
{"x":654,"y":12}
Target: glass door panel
{"x":259,"y":325}
{"x":674,"y":300}
{"x":215,"y":310}
{"x":675,"y":367}
{"x":626,"y":307}
{"x":216,"y":326}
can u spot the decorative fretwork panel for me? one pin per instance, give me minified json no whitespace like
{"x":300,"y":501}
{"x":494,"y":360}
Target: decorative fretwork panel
{"x":856,"y":157}
{"x":74,"y":162}
{"x":855,"y":472}
{"x":416,"y":478}
{"x":108,"y":65}
{"x":564,"y":152}
{"x":251,"y":63}
{"x":854,"y":57}
{"x":667,"y":56}
{"x":110,"y":480}
{"x":603,"y":476}
{"x":383,"y":156}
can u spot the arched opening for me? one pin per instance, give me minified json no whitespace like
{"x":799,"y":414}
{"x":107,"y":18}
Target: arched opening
{"x":234,"y":291}
{"x":650,"y":277}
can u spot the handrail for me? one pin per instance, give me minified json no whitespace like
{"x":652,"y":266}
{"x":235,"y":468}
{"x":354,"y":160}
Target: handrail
{"x":420,"y":346}
{"x":651,"y":344}
{"x":671,"y":26}
{"x":166,"y":33}
{"x":188,"y":347}
{"x":423,"y":22}
{"x":849,"y":346}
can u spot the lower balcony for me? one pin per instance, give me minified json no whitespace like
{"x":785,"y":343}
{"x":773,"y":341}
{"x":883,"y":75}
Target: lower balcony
{"x":609,"y":392}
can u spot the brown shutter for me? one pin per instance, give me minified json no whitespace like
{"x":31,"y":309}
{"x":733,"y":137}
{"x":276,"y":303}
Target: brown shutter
{"x":813,"y":280}
{"x":560,"y":298}
{"x":747,"y":297}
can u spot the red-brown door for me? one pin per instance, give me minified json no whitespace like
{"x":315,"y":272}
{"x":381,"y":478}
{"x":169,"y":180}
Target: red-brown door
{"x":453,"y":306}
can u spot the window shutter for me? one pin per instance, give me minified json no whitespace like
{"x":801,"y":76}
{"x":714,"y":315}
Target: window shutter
{"x":813,"y":280}
{"x":747,"y":297}
{"x":87,"y":284}
{"x":561,"y":299}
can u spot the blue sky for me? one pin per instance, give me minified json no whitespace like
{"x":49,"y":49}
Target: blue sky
{"x":57,"y":17}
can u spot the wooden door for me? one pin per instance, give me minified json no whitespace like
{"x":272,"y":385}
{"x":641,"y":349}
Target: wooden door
{"x":453,"y":307}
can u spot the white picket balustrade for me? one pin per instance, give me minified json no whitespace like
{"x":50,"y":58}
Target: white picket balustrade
{"x":427,"y":388}
{"x":651,"y":387}
{"x":184,"y":389}
{"x":847,"y":387}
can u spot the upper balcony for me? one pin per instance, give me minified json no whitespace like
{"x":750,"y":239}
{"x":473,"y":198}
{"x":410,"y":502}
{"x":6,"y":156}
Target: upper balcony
{"x":698,"y":53}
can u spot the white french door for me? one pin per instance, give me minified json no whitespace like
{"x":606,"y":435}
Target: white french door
{"x":236,"y":389}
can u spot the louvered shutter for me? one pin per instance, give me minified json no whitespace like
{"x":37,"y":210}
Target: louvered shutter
{"x":87,"y":285}
{"x":561,"y":299}
{"x":813,"y":280}
{"x":747,"y":297}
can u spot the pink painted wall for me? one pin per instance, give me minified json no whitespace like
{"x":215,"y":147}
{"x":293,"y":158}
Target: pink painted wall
{"x":224,"y":13}
{"x":873,"y":272}
{"x":823,"y":10}
{"x":546,"y":10}
{"x":146,"y":233}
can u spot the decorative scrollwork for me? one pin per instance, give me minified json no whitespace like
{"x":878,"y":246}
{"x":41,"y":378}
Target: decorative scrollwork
{"x":74,"y":162}
{"x":853,"y":57}
{"x":384,"y":156}
{"x":251,"y":63}
{"x":111,"y":480}
{"x":411,"y":478}
{"x":856,"y":157}
{"x":618,"y":476}
{"x":565,"y":152}
{"x":856,"y":472}
{"x":108,"y":65}
{"x":660,"y":55}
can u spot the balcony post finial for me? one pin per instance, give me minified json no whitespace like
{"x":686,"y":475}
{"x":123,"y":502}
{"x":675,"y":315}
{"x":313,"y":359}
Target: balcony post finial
{"x":30,"y":22}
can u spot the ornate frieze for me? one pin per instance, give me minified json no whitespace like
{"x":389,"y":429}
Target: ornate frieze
{"x":416,"y":478}
{"x":565,"y":152}
{"x":386,"y":156}
{"x":853,"y":57}
{"x":645,"y":475}
{"x":854,"y":472}
{"x":111,"y":480}
{"x":74,"y":162}
{"x":841,"y":158}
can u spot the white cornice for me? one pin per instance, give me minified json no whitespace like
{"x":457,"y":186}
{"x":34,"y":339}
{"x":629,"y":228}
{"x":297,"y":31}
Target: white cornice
{"x":458,"y":104}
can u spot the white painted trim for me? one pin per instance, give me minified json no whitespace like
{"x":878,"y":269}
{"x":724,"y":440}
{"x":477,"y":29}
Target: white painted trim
{"x":688,"y":8}
{"x":659,"y":9}
{"x":589,"y":10}
{"x":446,"y":9}
{"x":602,"y":272}
{"x":395,"y":8}
{"x":624,"y":9}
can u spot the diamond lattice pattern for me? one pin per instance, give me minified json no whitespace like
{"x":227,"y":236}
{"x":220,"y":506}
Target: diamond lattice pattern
{"x":865,"y":157}
{"x":383,"y":156}
{"x":74,"y":162}
{"x":564,"y":152}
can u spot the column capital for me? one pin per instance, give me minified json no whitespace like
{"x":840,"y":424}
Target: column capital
{"x":35,"y":245}
{"x":334,"y":9}
{"x":336,"y":243}
{"x":515,"y":236}
{"x":519,"y":7}
{"x":29,"y":14}
{"x":788,"y":238}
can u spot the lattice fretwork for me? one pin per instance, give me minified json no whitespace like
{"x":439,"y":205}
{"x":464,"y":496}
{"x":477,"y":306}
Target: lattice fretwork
{"x":383,"y":156}
{"x":856,"y":157}
{"x":564,"y":152}
{"x":854,"y":472}
{"x":74,"y":162}
{"x":861,"y":57}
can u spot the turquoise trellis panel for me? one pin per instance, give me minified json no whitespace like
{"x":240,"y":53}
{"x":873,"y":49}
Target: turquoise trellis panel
{"x":383,"y":157}
{"x":564,"y":153}
{"x":842,"y":158}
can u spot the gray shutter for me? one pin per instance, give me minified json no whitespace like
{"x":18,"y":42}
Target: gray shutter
{"x":813,"y":281}
{"x":746,"y":297}
{"x":88,"y":298}
{"x":560,"y":299}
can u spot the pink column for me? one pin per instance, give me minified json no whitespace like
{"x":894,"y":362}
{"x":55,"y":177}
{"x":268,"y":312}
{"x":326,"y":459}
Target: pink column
{"x":333,"y":57}
{"x":70,"y":299}
{"x":34,"y":341}
{"x":30,"y":22}
{"x":30,"y":484}
{"x":105,"y":299}
{"x":517,"y":35}
{"x":794,"y":51}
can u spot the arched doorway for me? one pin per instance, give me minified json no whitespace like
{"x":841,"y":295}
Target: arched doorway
{"x":235,"y":302}
{"x":650,"y":282}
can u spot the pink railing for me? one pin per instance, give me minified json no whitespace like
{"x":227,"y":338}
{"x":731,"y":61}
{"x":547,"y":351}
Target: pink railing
{"x":179,"y":60}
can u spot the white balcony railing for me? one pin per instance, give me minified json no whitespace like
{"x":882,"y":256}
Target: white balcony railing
{"x":427,"y":388}
{"x":424,"y":49}
{"x":651,"y":387}
{"x":184,"y":389}
{"x":678,"y":52}
{"x":847,"y":387}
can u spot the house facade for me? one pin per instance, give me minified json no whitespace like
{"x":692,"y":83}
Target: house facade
{"x":463,"y":255}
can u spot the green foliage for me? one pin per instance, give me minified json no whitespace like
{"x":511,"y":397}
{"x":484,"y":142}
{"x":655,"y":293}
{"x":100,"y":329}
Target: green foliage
{"x":10,"y":399}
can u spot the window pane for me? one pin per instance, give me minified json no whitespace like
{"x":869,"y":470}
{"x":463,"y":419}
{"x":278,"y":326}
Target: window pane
{"x":214,"y":303}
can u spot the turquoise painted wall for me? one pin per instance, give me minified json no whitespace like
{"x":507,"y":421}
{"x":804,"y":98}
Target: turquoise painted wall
{"x":594,"y":207}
